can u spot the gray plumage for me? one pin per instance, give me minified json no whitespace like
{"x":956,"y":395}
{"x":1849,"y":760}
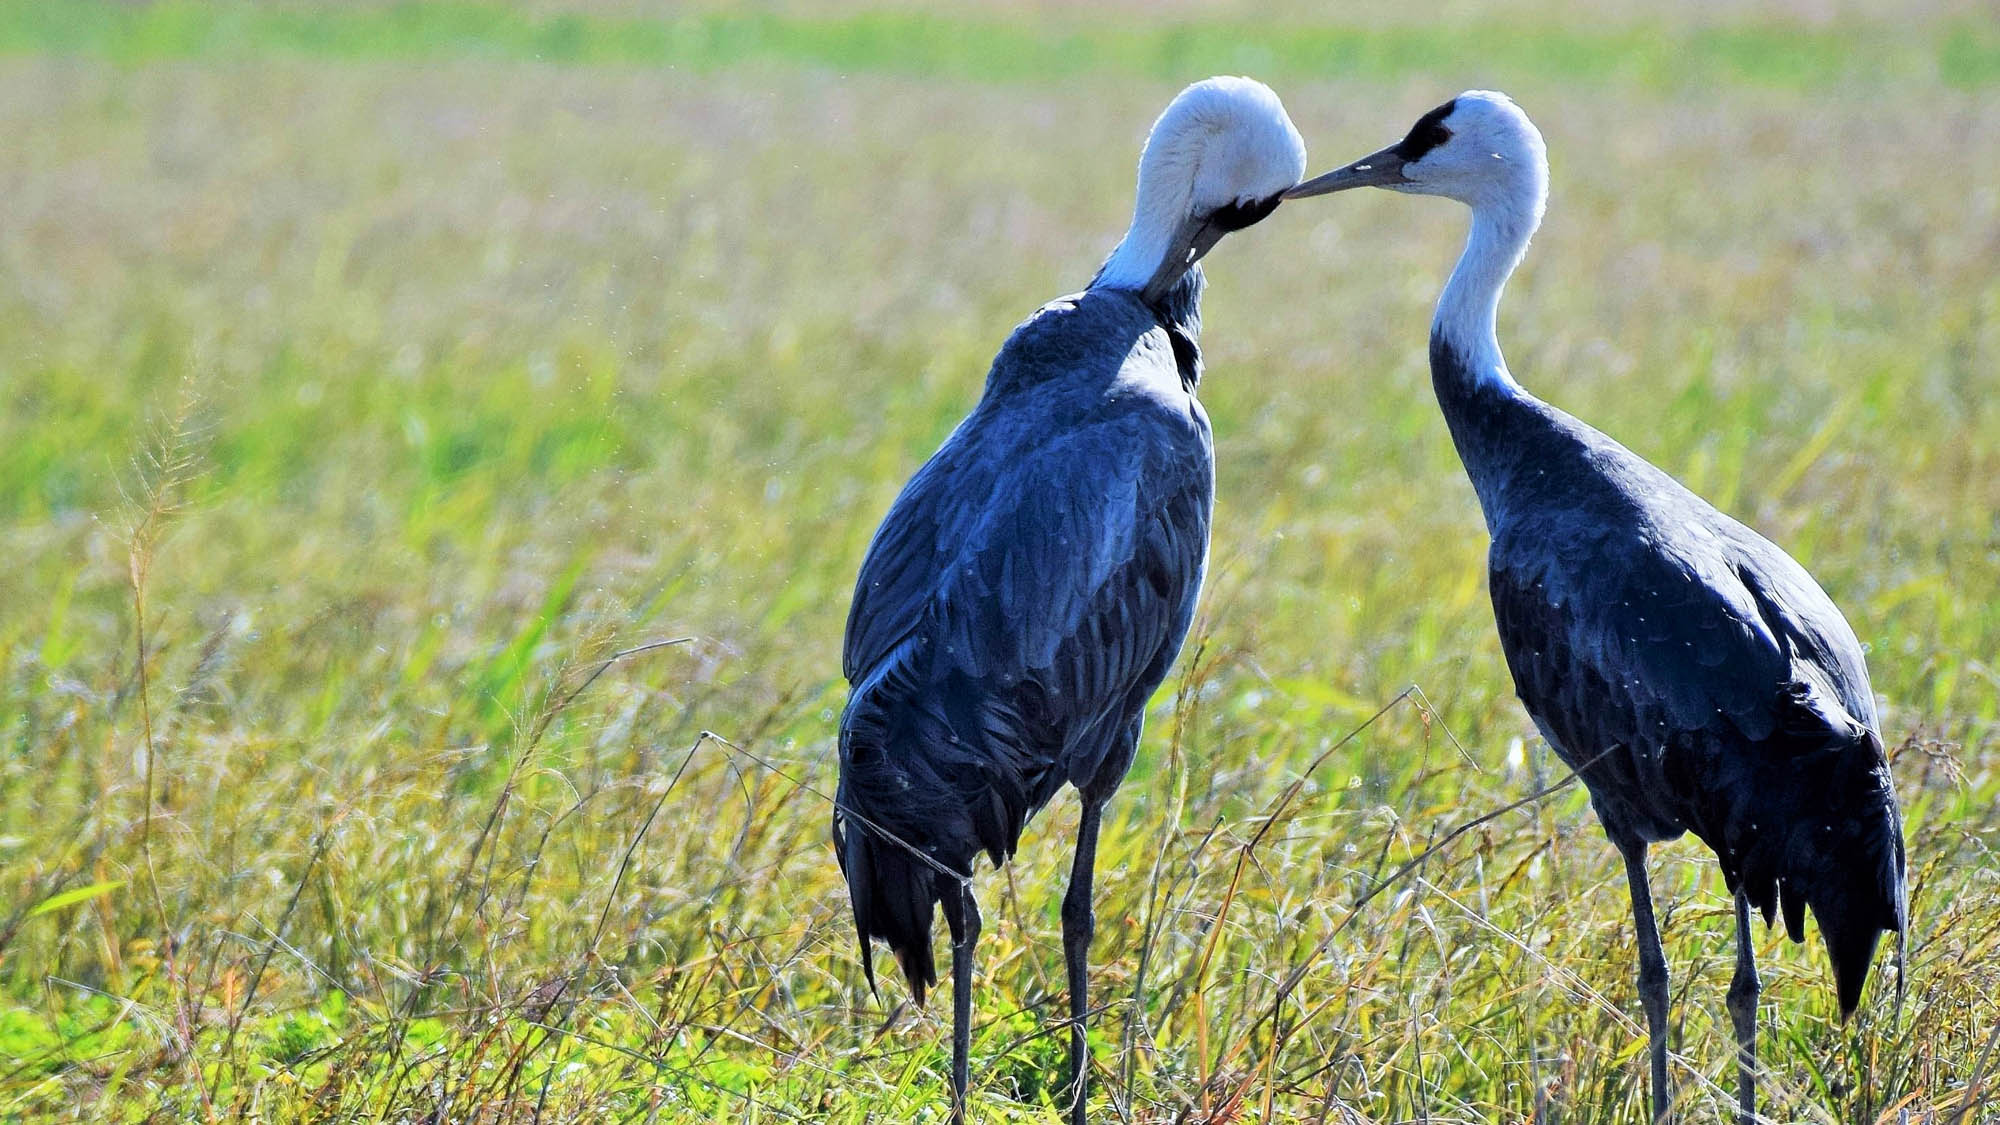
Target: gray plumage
{"x":1694,"y":675}
{"x":1022,"y":600}
{"x":1024,"y":597}
{"x":1031,"y":586}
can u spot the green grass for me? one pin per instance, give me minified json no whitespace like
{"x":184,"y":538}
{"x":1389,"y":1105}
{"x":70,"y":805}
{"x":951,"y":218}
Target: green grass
{"x":418,"y":377}
{"x":995,"y":47}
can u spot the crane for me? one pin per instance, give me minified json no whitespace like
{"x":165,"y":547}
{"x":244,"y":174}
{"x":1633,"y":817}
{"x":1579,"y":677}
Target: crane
{"x":1032,"y":584}
{"x":1692,"y":673}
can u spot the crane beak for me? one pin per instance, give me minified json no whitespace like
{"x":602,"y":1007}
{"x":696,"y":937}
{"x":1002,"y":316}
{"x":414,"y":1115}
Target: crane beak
{"x":1197,"y":236}
{"x":1379,"y":169}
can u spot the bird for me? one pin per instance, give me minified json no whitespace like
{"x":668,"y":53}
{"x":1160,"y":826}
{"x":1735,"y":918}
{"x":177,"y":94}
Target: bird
{"x":1693,"y":674}
{"x":1032,"y":584}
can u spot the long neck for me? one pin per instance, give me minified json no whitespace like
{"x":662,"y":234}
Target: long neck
{"x":1156,"y":218}
{"x":1479,"y":398}
{"x":1465,"y":313}
{"x":1146,"y":243}
{"x":1163,"y":201}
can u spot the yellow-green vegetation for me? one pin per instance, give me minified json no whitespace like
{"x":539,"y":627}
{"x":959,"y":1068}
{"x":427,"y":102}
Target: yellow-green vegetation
{"x":374,"y":374}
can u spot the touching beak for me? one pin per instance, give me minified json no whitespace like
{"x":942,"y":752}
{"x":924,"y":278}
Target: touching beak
{"x":1196,"y":237}
{"x":1380,"y":169}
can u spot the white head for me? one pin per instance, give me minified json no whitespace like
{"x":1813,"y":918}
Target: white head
{"x":1219,"y":159}
{"x":1478,"y":148}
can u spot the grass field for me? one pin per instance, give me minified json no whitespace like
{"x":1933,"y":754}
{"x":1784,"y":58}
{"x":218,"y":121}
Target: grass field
{"x":374,"y":374}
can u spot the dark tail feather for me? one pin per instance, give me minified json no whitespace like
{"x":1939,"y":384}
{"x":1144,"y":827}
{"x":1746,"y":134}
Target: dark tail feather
{"x":1851,"y":947}
{"x":1856,"y":894}
{"x":1833,"y":840}
{"x":901,"y":824}
{"x":893,"y":895}
{"x":1853,"y":909}
{"x":1849,"y":870}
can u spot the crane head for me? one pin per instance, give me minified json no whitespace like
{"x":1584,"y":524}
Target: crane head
{"x":1478,"y":148}
{"x":1219,"y":158}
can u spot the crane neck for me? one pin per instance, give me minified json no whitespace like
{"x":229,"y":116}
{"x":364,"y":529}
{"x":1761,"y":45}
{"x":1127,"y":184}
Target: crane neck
{"x":1166,"y":199}
{"x":1481,"y":402}
{"x":1466,"y":312}
{"x":1138,"y":256}
{"x":1140,"y":253}
{"x":1162,"y":203}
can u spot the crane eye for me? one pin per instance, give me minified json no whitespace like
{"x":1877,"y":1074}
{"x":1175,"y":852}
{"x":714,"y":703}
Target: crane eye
{"x":1428,"y":133}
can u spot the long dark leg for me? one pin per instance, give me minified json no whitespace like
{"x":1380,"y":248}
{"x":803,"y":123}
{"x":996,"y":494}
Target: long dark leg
{"x":1652,"y":975}
{"x":961,"y":913}
{"x":1743,"y":1013}
{"x":1079,"y":921}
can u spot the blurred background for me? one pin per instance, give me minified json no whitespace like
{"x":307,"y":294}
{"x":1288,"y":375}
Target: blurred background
{"x":374,"y":373}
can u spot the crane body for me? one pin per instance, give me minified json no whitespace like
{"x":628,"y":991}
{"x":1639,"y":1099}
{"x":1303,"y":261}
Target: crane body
{"x":1032,"y":584}
{"x":1696,"y":677}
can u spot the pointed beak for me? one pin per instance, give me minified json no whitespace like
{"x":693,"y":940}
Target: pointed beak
{"x":1197,"y":236}
{"x":1379,"y":169}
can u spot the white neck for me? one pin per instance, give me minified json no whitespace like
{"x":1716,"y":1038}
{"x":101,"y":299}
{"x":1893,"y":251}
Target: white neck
{"x":1166,"y":199}
{"x":1471,"y":299}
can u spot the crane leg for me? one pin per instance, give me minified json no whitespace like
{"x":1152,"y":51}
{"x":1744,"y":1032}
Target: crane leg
{"x":1743,"y":1013}
{"x":961,"y":914}
{"x":1079,"y":922}
{"x":1652,"y":976}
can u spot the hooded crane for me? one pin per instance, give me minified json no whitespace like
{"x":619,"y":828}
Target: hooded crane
{"x":1695,"y":676}
{"x":1031,"y":586}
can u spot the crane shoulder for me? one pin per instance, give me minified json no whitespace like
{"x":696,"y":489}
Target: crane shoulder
{"x":1675,"y":605}
{"x":1078,"y":346}
{"x":1076,"y":494}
